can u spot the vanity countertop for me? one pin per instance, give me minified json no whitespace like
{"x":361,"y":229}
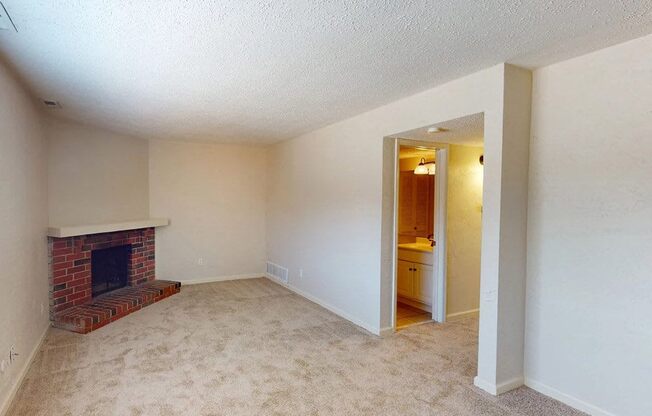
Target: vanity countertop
{"x":426,"y":248}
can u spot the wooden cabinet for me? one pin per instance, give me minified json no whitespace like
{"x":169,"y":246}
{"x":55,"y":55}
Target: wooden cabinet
{"x":416,"y":204}
{"x":414,"y":281}
{"x":405,"y":279}
{"x":423,"y":283}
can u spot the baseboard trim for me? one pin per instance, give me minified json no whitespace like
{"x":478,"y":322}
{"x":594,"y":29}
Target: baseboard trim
{"x":496,"y":389}
{"x":325,"y":305}
{"x":21,"y":377}
{"x":414,"y":303}
{"x":221,"y":278}
{"x":471,"y":313}
{"x":566,"y":398}
{"x":387,"y":331}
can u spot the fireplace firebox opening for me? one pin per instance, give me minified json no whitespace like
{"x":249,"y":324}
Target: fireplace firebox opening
{"x":109,"y":268}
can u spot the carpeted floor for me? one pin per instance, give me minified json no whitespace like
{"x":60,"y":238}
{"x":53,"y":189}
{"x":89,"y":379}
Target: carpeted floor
{"x":251,"y":347}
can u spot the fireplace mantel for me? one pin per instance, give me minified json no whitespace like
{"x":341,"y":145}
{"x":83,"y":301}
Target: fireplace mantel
{"x":76,"y":230}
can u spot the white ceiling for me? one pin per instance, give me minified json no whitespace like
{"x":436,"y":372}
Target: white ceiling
{"x":465,"y":131}
{"x":263,"y":71}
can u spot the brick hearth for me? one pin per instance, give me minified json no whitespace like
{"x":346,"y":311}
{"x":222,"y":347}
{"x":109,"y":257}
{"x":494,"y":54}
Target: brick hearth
{"x":72,"y":305}
{"x":114,"y":305}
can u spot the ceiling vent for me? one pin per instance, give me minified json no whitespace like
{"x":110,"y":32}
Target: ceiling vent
{"x":5,"y":20}
{"x":52,"y":104}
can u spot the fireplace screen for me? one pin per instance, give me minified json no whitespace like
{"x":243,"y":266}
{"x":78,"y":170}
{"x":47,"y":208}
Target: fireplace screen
{"x":109,"y":268}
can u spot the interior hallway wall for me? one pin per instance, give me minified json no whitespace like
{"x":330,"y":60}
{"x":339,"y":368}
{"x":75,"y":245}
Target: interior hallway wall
{"x":330,"y":210}
{"x":23,"y":221}
{"x":589,"y":288}
{"x":463,"y":231}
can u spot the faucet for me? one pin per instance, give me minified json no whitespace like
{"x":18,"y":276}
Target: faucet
{"x":431,"y":239}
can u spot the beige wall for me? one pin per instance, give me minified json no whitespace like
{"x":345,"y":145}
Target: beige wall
{"x":23,"y":221}
{"x":330,"y":210}
{"x":95,"y":176}
{"x":589,"y":288}
{"x":214,"y":196}
{"x":464,"y":230}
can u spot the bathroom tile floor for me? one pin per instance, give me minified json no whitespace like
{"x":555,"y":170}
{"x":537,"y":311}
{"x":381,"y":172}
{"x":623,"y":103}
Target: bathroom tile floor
{"x":407,"y":315}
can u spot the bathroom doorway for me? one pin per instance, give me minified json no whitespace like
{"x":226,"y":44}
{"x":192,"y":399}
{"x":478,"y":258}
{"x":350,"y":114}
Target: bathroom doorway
{"x":415,"y":235}
{"x":438,"y":197}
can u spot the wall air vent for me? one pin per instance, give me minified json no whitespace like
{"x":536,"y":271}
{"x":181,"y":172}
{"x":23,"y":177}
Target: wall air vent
{"x":277,"y":272}
{"x":5,"y":20}
{"x":52,"y":104}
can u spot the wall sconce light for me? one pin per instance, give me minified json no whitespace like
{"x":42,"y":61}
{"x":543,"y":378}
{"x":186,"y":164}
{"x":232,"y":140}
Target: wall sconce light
{"x":425,"y":168}
{"x":422,"y":169}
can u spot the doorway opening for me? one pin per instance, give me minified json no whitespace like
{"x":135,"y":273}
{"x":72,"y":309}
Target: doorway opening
{"x":438,"y":223}
{"x":415,"y":235}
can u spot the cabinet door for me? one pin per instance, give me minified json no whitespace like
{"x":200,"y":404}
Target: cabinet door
{"x":405,"y":279}
{"x":423,"y":283}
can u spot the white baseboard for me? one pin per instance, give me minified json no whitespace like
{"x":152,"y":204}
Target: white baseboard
{"x":336,"y":311}
{"x":221,"y":278}
{"x":387,"y":331}
{"x":496,"y":389}
{"x":566,"y":398}
{"x":471,"y":313}
{"x":4,"y":408}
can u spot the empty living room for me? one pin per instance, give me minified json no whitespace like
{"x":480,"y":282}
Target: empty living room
{"x":299,"y":207}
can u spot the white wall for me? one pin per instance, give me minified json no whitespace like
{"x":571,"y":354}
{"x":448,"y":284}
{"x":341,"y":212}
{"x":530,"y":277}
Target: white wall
{"x":95,"y":176}
{"x":330,"y":210}
{"x":464,"y":230}
{"x":214,"y":196}
{"x":589,"y":288}
{"x":23,"y":221}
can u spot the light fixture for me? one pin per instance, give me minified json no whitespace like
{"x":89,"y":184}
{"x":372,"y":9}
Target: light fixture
{"x":432,"y":168}
{"x":433,"y":129}
{"x":425,"y":168}
{"x":422,"y":169}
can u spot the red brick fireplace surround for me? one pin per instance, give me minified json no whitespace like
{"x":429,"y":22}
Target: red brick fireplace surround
{"x":72,"y":305}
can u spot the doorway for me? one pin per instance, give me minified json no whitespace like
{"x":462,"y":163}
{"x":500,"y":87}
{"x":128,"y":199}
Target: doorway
{"x":438,"y":201}
{"x":416,"y":242}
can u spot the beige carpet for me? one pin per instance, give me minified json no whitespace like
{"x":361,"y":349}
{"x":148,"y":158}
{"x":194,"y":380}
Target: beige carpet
{"x":251,"y":347}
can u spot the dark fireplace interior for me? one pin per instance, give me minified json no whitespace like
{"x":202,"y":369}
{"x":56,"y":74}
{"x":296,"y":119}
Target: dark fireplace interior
{"x":109,"y":268}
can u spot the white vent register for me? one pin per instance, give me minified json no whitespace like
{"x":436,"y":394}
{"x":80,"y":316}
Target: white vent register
{"x":277,"y":272}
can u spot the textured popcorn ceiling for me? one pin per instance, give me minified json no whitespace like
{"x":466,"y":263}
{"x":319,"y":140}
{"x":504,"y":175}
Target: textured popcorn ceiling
{"x":259,"y":72}
{"x":466,"y":131}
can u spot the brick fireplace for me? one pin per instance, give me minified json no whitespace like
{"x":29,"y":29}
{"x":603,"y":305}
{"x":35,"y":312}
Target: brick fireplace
{"x":73,"y":305}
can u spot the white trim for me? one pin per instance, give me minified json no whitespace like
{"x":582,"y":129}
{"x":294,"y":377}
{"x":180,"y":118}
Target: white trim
{"x":441,"y":204}
{"x":496,"y":389}
{"x":387,"y":331}
{"x":221,"y":278}
{"x":397,"y":173}
{"x":566,"y":398}
{"x":471,"y":313}
{"x":19,"y":381}
{"x":370,"y":328}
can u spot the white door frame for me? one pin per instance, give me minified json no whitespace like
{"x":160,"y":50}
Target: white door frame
{"x":439,"y":253}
